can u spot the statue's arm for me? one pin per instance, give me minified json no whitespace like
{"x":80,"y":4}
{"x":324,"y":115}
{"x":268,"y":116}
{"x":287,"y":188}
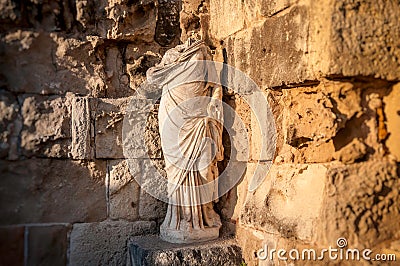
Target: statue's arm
{"x":215,"y":111}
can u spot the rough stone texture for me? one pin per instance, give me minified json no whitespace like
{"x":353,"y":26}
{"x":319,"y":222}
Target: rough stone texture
{"x":194,"y":18}
{"x":349,"y":117}
{"x":237,"y":139}
{"x":130,"y":21}
{"x":167,"y":28}
{"x":151,"y":208}
{"x":123,"y":190}
{"x":45,"y":190}
{"x":140,"y":132}
{"x":220,"y":13}
{"x":10,"y":125}
{"x":129,"y":183}
{"x":288,"y":201}
{"x":293,"y":42}
{"x":47,"y":245}
{"x":280,"y":56}
{"x":315,"y":204}
{"x":12,"y":245}
{"x":152,"y":135}
{"x":82,"y":129}
{"x":365,"y":39}
{"x":117,"y":80}
{"x":138,"y":59}
{"x":104,"y":243}
{"x":78,"y":65}
{"x":46,"y":130}
{"x":108,"y":117}
{"x":361,"y":204}
{"x":28,"y":60}
{"x":151,"y":250}
{"x":392,"y":115}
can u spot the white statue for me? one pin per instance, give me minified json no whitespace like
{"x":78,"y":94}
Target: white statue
{"x":190,"y":123}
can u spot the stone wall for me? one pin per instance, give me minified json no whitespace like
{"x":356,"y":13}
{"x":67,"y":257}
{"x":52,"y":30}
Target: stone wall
{"x":68,"y":70}
{"x":330,"y":70}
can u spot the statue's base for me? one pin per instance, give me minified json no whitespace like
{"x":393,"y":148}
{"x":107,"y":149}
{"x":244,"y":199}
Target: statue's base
{"x":192,"y":236}
{"x":151,"y":250}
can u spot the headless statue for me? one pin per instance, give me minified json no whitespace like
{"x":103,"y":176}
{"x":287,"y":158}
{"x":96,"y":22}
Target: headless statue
{"x":190,"y":123}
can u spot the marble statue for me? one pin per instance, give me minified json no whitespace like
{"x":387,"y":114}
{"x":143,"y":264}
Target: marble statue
{"x":190,"y":124}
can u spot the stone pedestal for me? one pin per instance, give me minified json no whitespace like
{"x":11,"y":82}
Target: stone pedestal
{"x":152,"y":250}
{"x":192,"y":236}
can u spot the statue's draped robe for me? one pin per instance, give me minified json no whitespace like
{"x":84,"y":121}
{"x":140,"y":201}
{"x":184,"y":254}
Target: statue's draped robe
{"x":186,"y":128}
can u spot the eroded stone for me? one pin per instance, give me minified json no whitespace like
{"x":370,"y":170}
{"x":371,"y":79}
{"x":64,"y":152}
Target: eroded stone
{"x":45,"y":190}
{"x":104,"y":242}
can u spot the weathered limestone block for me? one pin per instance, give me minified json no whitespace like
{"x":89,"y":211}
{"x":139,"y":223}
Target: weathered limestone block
{"x":26,"y":61}
{"x":168,"y":27}
{"x":318,"y":203}
{"x":47,"y":245}
{"x":361,"y":204}
{"x":142,"y":136}
{"x":138,"y":21}
{"x":224,"y":22}
{"x":12,"y":245}
{"x":10,"y":125}
{"x":352,"y":152}
{"x":152,"y":135}
{"x":294,"y":42}
{"x":126,"y":199}
{"x":392,"y":114}
{"x":221,"y":14}
{"x":237,"y":134}
{"x":194,"y":17}
{"x":117,"y":78}
{"x":123,"y":190}
{"x":256,"y":9}
{"x":151,"y":250}
{"x":335,"y":120}
{"x":141,"y":133}
{"x":364,"y":38}
{"x":120,"y":20}
{"x":44,"y":190}
{"x":310,"y":117}
{"x":108,"y":115}
{"x":309,"y":124}
{"x":277,"y":54}
{"x":138,"y":59}
{"x":104,"y":243}
{"x":34,"y":62}
{"x":46,"y":130}
{"x":288,"y":202}
{"x":263,"y":130}
{"x":368,"y":124}
{"x":82,"y":129}
{"x":357,"y":202}
{"x":79,"y":65}
{"x":129,"y":21}
{"x":46,"y":15}
{"x":151,"y":208}
{"x":252,"y":241}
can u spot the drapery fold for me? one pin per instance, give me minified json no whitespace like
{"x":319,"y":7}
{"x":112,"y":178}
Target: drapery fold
{"x":190,"y":123}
